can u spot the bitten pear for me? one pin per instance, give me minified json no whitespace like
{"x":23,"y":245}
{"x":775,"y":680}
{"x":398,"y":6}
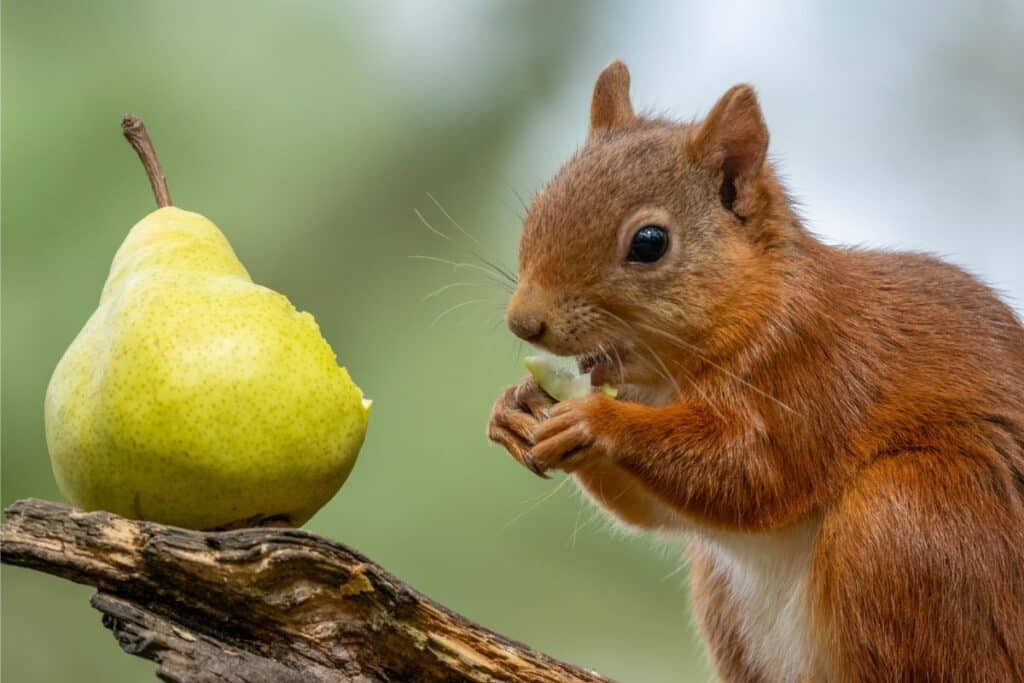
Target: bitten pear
{"x":196,"y":397}
{"x":561,"y":379}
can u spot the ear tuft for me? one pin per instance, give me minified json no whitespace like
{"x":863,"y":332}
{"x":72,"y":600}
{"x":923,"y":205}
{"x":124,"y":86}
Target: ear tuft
{"x":733,"y":140}
{"x":610,"y":106}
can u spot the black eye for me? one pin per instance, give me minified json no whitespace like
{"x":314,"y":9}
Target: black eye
{"x":649,"y":244}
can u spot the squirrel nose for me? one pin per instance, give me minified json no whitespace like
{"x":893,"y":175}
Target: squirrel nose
{"x":527,"y":327}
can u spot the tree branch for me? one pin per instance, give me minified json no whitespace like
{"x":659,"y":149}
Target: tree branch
{"x":258,"y":605}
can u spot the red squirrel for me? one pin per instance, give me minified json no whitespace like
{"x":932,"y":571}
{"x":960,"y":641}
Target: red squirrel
{"x":839,"y":431}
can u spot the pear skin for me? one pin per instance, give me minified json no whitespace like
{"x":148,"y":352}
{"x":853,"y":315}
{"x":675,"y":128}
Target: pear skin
{"x":196,"y":397}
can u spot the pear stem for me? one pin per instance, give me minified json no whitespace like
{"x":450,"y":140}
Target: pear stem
{"x":135,"y":131}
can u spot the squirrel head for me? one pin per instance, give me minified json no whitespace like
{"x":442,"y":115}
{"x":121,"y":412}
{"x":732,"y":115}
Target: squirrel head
{"x":653,"y":236}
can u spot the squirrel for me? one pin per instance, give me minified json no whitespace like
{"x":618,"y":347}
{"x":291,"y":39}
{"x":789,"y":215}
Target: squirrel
{"x":838,"y":431}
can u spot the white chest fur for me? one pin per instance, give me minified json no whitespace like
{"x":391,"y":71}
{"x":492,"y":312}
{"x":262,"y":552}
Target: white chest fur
{"x":767,"y":578}
{"x":766,"y":574}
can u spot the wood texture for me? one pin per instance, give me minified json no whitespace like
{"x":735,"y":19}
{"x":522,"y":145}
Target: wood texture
{"x":259,"y":605}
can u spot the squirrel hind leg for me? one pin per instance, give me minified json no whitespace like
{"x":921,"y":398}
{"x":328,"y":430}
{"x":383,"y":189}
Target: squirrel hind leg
{"x":918,"y":573}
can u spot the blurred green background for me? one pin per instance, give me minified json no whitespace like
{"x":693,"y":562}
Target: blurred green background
{"x":310,"y":144}
{"x":310,"y":131}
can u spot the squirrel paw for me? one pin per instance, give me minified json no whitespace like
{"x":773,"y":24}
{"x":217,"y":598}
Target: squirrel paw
{"x":571,"y":435}
{"x":514,"y":418}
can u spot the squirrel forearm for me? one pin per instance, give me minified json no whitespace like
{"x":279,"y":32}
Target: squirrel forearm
{"x":708,"y":466}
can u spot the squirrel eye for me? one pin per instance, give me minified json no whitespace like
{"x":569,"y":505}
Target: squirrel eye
{"x":649,"y":244}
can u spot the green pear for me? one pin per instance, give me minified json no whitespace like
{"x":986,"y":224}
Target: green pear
{"x":194,"y":396}
{"x":560,"y":378}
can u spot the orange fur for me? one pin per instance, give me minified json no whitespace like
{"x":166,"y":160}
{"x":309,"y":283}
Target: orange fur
{"x":865,"y":408}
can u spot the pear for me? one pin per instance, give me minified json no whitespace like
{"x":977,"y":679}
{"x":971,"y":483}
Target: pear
{"x":560,"y":378}
{"x":194,"y":396}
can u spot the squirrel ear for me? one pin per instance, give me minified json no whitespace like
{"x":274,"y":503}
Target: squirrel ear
{"x":733,"y":141}
{"x":610,"y":106}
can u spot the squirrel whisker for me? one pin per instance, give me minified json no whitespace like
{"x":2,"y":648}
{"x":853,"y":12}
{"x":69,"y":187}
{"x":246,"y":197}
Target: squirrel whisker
{"x":667,"y":374}
{"x":455,"y":308}
{"x":537,"y":503}
{"x":457,"y":265}
{"x":686,"y":346}
{"x":444,"y":288}
{"x":498,"y":269}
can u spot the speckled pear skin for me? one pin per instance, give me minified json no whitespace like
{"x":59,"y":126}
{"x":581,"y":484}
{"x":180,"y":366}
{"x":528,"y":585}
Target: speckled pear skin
{"x":196,"y":397}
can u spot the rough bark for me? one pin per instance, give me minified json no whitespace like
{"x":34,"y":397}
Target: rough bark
{"x":258,"y":605}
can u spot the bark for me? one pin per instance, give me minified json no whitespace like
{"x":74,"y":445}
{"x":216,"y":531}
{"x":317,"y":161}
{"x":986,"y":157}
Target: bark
{"x":261,"y":604}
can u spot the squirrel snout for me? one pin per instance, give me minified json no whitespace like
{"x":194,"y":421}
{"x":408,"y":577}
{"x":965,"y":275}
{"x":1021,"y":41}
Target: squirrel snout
{"x":526,"y":312}
{"x":527,"y":327}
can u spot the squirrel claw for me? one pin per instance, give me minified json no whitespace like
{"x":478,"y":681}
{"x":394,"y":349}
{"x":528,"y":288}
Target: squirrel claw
{"x":532,"y":465}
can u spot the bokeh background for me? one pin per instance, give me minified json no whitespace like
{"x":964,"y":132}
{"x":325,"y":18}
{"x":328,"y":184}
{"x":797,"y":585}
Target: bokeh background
{"x":310,"y":131}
